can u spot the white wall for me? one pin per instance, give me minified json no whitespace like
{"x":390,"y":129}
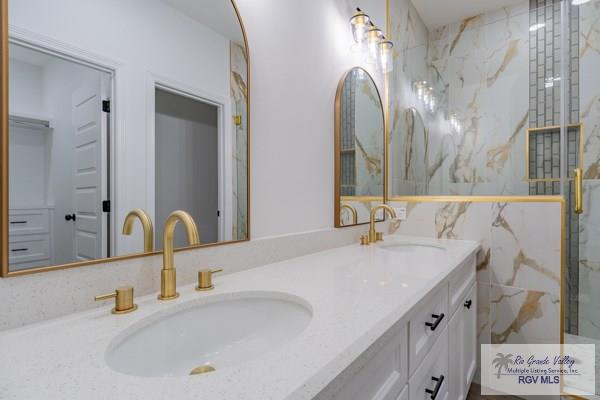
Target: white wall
{"x":298,"y":53}
{"x":25,"y":86}
{"x":187,"y":165}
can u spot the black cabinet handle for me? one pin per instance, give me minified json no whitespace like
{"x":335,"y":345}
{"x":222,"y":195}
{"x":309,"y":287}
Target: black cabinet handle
{"x":437,"y":388}
{"x":468,"y":304}
{"x":17,"y":222}
{"x":71,"y":217}
{"x":18,"y":250}
{"x":438,"y":318}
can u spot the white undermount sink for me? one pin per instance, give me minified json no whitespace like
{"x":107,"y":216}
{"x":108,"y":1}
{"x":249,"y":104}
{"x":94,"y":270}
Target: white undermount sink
{"x":412,"y":247}
{"x":220,"y":333}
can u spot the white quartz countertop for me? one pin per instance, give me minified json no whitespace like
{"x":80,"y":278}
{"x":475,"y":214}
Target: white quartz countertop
{"x":356,"y":294}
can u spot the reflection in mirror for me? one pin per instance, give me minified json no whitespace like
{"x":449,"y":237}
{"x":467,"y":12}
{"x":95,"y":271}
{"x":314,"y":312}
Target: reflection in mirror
{"x":408,"y":154}
{"x":360,"y":138}
{"x":151,"y":115}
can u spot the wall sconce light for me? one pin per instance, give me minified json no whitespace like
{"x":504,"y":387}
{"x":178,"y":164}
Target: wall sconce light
{"x":386,"y":50}
{"x":455,"y":122}
{"x":374,"y":37}
{"x":370,"y":41}
{"x":360,"y":24}
{"x":425,"y":94}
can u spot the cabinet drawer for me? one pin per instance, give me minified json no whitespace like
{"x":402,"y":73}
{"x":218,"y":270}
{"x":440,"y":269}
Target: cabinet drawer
{"x":430,"y":381}
{"x":28,"y":222}
{"x":23,"y":249}
{"x":460,"y":282}
{"x":427,"y":321}
{"x":381,"y":373}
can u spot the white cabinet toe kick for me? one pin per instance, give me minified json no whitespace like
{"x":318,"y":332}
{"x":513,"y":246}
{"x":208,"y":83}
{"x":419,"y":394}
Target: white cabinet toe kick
{"x":430,"y":354}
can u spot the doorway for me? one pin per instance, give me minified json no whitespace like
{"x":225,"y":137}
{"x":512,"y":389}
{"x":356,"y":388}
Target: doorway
{"x":59,"y":157}
{"x":187,"y":149}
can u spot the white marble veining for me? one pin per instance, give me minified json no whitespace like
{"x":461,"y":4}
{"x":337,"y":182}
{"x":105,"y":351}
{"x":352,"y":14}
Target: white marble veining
{"x":356,"y":294}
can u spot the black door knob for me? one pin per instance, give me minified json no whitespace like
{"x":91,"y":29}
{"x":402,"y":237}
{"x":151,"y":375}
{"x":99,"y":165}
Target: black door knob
{"x":71,"y":217}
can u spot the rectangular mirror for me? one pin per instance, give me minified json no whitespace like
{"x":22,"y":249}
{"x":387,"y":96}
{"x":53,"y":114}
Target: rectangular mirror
{"x":359,"y":148}
{"x":116,"y":106}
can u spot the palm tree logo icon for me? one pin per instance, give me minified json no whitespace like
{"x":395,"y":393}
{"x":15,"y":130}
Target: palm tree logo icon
{"x":502,"y":361}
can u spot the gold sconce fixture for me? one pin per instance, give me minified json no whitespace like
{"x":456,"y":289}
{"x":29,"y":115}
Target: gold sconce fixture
{"x":371,"y":42}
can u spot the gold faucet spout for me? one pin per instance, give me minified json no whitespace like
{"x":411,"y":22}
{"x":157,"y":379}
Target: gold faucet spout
{"x":353,"y":211}
{"x":372,"y":232}
{"x":146,"y":226}
{"x":168,"y":283}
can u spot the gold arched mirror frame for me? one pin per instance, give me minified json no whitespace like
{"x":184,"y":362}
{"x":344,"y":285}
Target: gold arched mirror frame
{"x":4,"y":162}
{"x":366,"y":201}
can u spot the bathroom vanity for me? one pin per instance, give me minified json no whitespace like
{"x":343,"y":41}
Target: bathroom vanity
{"x":394,"y":320}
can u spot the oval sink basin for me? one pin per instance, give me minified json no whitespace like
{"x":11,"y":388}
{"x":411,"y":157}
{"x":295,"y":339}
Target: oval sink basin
{"x":209,"y":336}
{"x":412,"y":247}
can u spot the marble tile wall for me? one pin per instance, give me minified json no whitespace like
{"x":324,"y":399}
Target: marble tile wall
{"x":239,"y":95}
{"x":478,"y":69}
{"x":518,"y":270}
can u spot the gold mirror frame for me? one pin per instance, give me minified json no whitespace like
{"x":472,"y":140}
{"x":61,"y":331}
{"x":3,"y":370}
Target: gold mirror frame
{"x":338,"y":126}
{"x":4,"y":270}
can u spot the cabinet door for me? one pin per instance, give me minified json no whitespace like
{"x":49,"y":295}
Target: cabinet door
{"x":462,"y":344}
{"x":430,"y":380}
{"x":469,"y":348}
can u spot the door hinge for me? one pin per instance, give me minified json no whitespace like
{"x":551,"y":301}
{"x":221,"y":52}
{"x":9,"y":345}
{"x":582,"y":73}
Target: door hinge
{"x":106,"y":206}
{"x":106,"y":106}
{"x":218,"y":213}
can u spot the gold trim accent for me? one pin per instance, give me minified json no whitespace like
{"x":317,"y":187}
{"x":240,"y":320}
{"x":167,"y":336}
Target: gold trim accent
{"x":4,"y":173}
{"x":4,"y":136}
{"x":202,"y":370}
{"x":337,"y":137}
{"x":479,"y":199}
{"x":579,"y":126}
{"x":578,"y":172}
{"x":360,"y":198}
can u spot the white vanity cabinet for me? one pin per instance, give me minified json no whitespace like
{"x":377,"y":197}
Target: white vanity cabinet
{"x":431,"y":357}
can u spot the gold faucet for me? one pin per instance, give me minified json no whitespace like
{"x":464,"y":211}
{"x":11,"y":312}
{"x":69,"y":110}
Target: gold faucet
{"x":353,"y":211}
{"x":168,"y":288}
{"x":373,"y":235}
{"x":146,"y":226}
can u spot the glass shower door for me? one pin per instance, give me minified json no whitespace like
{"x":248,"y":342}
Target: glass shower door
{"x":581,"y":186}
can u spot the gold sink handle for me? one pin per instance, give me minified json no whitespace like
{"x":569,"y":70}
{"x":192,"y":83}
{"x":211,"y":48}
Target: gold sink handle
{"x":205,"y":279}
{"x":123,"y":300}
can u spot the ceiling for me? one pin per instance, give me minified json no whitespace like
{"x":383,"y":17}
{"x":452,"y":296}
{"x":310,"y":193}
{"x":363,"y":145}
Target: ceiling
{"x":219,"y":16}
{"x":436,"y":13}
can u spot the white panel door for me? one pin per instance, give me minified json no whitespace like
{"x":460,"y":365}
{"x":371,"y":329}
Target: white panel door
{"x":89,"y":180}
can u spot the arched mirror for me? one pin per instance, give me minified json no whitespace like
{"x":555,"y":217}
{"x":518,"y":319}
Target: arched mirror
{"x":120,"y":105}
{"x":359,"y":148}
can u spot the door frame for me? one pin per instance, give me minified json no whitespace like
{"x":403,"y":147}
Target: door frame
{"x":35,"y":41}
{"x":225,"y":142}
